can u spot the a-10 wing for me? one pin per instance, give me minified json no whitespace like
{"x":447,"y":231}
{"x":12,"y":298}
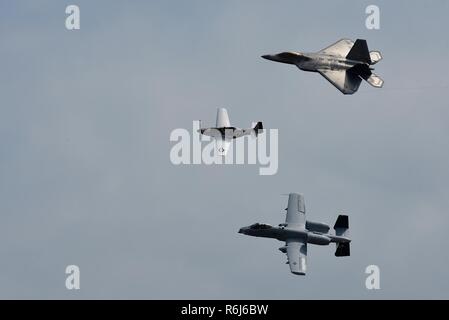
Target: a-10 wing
{"x":296,"y":249}
{"x":296,"y":211}
{"x":297,"y":256}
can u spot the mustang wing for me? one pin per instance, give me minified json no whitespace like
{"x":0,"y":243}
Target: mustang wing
{"x":222,"y":118}
{"x":222,"y":146}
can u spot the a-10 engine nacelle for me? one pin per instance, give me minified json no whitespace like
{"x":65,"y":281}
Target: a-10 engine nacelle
{"x":317,"y":227}
{"x":319,"y":239}
{"x":313,"y":238}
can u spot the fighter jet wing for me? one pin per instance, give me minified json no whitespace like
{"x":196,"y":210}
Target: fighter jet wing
{"x":223,"y":118}
{"x":340,"y":48}
{"x":297,"y":255}
{"x":222,"y":146}
{"x":296,"y":211}
{"x":346,"y":82}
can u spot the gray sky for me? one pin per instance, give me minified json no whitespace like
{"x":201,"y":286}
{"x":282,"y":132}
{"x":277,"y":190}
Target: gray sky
{"x":86,"y":179}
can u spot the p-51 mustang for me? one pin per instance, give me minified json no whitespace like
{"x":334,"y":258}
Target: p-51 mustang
{"x":297,"y":232}
{"x":344,"y":64}
{"x":224,"y":133}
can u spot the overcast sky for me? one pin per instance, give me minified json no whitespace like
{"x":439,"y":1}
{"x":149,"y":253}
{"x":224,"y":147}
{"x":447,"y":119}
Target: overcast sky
{"x":86,"y":178}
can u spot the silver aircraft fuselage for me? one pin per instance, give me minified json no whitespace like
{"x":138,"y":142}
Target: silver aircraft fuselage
{"x":283,"y":233}
{"x":223,"y":132}
{"x":344,"y":64}
{"x":313,"y":61}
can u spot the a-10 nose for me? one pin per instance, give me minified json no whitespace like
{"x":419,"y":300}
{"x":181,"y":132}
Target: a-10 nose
{"x":242,"y":230}
{"x":268,"y":56}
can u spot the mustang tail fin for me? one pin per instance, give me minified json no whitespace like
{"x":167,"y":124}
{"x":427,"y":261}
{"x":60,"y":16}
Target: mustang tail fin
{"x":258,"y":128}
{"x":359,"y":52}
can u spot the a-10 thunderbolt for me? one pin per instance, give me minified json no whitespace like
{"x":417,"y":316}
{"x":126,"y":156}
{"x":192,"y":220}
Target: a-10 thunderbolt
{"x":344,"y":64}
{"x":297,"y":232}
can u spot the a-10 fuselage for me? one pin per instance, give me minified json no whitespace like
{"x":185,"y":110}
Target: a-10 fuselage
{"x":282,"y":233}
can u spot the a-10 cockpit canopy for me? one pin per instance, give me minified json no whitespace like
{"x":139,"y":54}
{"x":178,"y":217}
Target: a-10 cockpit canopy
{"x":260,"y":226}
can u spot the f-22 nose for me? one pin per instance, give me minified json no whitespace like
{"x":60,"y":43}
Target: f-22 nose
{"x":284,"y":57}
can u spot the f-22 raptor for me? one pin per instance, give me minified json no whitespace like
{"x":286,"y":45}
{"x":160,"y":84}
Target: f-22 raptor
{"x":297,"y":232}
{"x":344,"y":64}
{"x":224,"y":133}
